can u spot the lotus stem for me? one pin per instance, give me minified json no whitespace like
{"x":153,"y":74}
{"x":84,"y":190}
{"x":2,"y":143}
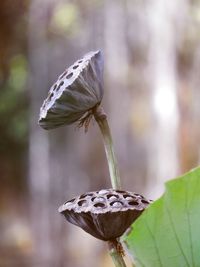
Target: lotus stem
{"x":116,"y":254}
{"x":101,"y":118}
{"x":115,"y":247}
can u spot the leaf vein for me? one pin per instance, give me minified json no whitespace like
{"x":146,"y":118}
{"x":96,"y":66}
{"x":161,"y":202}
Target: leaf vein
{"x":154,"y":240}
{"x":188,"y":219}
{"x":176,"y":236}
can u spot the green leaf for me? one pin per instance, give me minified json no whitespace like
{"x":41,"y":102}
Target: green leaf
{"x":167,"y":234}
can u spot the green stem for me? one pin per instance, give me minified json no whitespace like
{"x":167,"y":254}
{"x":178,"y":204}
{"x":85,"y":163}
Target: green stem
{"x":101,"y":119}
{"x":115,"y":254}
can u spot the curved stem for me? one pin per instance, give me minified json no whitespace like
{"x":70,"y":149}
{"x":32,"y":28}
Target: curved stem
{"x":101,"y":119}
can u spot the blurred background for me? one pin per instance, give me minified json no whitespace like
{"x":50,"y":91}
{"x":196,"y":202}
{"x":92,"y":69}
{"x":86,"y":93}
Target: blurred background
{"x":152,"y":74}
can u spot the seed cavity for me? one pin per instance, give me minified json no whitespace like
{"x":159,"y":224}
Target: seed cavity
{"x":127,"y":196}
{"x":50,"y":96}
{"x":55,"y":86}
{"x":138,"y":195}
{"x":144,"y":201}
{"x":69,"y":75}
{"x":112,"y":196}
{"x":82,"y":203}
{"x":116,"y":204}
{"x":64,"y":73}
{"x":99,"y":199}
{"x":99,"y":205}
{"x":75,"y":67}
{"x":121,"y":191}
{"x":69,"y":201}
{"x":102,"y":192}
{"x":86,"y":195}
{"x":61,"y":83}
{"x":133,"y":203}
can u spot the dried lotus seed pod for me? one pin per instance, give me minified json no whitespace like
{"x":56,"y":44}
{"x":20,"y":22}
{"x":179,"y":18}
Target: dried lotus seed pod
{"x":77,"y":90}
{"x":105,"y":214}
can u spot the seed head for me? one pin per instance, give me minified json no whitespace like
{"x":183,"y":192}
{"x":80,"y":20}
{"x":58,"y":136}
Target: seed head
{"x":77,"y":90}
{"x":105,"y":214}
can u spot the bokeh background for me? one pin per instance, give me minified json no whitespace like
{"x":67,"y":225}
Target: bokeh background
{"x":152,"y":74}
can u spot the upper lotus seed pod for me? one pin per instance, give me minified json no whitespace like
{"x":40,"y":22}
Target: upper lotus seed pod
{"x":77,"y":90}
{"x":105,"y":214}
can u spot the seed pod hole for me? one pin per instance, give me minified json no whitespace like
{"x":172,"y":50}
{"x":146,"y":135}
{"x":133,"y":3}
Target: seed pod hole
{"x":127,"y":196}
{"x":116,"y":204}
{"x":55,"y":86}
{"x":85,"y":195}
{"x":82,"y":203}
{"x":99,"y":205}
{"x":75,"y":67}
{"x":138,"y":195}
{"x":130,"y":198}
{"x":64,"y":73}
{"x":50,"y":96}
{"x":144,"y":201}
{"x":133,"y":203}
{"x":80,"y":61}
{"x":99,"y":199}
{"x":61,"y":83}
{"x":102,"y":192}
{"x":112,"y":196}
{"x":120,"y":191}
{"x":69,"y":201}
{"x":69,"y":75}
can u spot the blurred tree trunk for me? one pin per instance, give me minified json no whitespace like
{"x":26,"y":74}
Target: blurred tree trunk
{"x":45,"y":251}
{"x":165,"y":29}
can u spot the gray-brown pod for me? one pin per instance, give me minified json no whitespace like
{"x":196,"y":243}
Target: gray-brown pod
{"x":105,"y":214}
{"x":77,"y":90}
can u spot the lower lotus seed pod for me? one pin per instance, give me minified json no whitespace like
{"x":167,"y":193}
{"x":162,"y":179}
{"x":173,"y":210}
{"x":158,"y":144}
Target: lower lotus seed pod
{"x":105,"y":214}
{"x":77,"y":90}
